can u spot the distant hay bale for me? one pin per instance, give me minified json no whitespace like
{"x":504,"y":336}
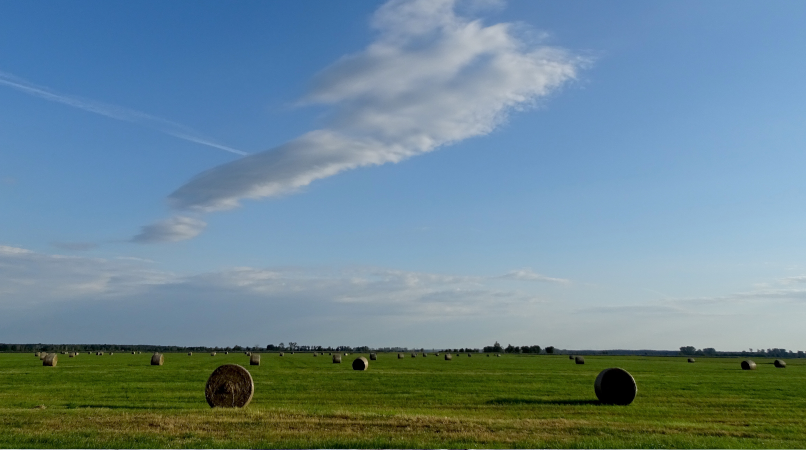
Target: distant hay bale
{"x":281,"y":353}
{"x":226,"y":353}
{"x":337,"y":359}
{"x":748,"y":365}
{"x":190,"y":353}
{"x":437,"y":353}
{"x":42,"y":356}
{"x":71,"y":355}
{"x":293,"y":353}
{"x":212,"y":353}
{"x":780,"y":363}
{"x":315,"y":355}
{"x":691,"y":360}
{"x":373,"y":356}
{"x":497,"y":355}
{"x":110,"y":353}
{"x":400,"y":356}
{"x":570,"y":356}
{"x":36,"y":354}
{"x":50,"y":360}
{"x":157,"y":359}
{"x":229,"y":386}
{"x":414,"y":355}
{"x":469,"y":355}
{"x":448,"y":357}
{"x":254,"y":360}
{"x":360,"y":363}
{"x":579,"y":359}
{"x":615,"y":386}
{"x":488,"y":355}
{"x":133,"y":353}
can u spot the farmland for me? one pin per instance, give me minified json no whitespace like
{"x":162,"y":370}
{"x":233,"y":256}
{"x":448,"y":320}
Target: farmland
{"x":303,"y":401}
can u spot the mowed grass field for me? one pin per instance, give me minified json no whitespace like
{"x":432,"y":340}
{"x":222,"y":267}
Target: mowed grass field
{"x":304,"y":401}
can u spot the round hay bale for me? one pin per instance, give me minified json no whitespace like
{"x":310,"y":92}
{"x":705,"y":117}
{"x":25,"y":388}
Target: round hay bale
{"x":437,"y":353}
{"x":780,"y":363}
{"x":488,"y":355}
{"x":36,"y":354}
{"x":157,"y":359}
{"x":229,"y":386}
{"x":691,"y":360}
{"x":212,"y":353}
{"x":110,"y":354}
{"x":373,"y":356}
{"x":71,"y":355}
{"x":400,"y":356}
{"x":42,"y":356}
{"x":360,"y":363}
{"x":337,"y":359}
{"x":247,"y":353}
{"x":254,"y":360}
{"x":748,"y":365}
{"x":497,"y":355}
{"x":315,"y":355}
{"x":293,"y":353}
{"x":281,"y":353}
{"x":100,"y":353}
{"x":190,"y":353}
{"x":570,"y":356}
{"x":448,"y":357}
{"x":414,"y":355}
{"x":226,"y":353}
{"x":50,"y":360}
{"x":615,"y":386}
{"x":469,"y":355}
{"x":579,"y":359}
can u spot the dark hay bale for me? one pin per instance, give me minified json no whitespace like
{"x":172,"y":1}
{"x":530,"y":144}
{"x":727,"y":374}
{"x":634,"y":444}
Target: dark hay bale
{"x":254,"y":359}
{"x":579,"y":360}
{"x":157,"y":359}
{"x":293,"y":353}
{"x":226,"y":353}
{"x":134,"y":353}
{"x":615,"y":386}
{"x":691,"y":360}
{"x":360,"y":363}
{"x":780,"y":363}
{"x":748,"y":365}
{"x":212,"y":353}
{"x":469,"y":355}
{"x":230,"y":386}
{"x":488,"y":355}
{"x":373,"y":356}
{"x":190,"y":353}
{"x":50,"y":360}
{"x":281,"y":353}
{"x":336,"y":359}
{"x":315,"y":355}
{"x":425,"y":354}
{"x":400,"y":356}
{"x":414,"y":355}
{"x":448,"y":357}
{"x":570,"y":356}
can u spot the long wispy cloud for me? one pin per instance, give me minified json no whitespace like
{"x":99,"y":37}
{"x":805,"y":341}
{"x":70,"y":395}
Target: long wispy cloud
{"x":115,"y":112}
{"x":431,"y":78}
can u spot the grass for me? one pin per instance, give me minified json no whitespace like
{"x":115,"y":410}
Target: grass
{"x":300,"y":401}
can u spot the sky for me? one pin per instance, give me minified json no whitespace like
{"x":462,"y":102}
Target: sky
{"x":420,"y":173}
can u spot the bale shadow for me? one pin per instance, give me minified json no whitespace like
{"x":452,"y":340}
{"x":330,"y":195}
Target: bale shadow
{"x":528,"y":401}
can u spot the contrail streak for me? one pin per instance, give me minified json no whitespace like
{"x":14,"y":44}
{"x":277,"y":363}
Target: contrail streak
{"x":174,"y":129}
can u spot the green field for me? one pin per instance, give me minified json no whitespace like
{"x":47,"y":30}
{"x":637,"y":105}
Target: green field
{"x":304,"y":401}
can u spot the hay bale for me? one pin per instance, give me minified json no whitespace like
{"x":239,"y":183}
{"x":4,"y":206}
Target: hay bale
{"x":579,"y":359}
{"x":425,"y":354}
{"x":497,"y":355}
{"x":570,"y":356}
{"x":157,"y":359}
{"x":360,"y":363}
{"x":373,"y":356}
{"x":780,"y":363}
{"x":414,"y":355}
{"x":36,"y":354}
{"x":691,"y":360}
{"x":134,"y":353}
{"x":254,"y":360}
{"x":437,"y":353}
{"x":448,"y":357}
{"x":42,"y":356}
{"x":190,"y":353}
{"x":110,"y":354}
{"x":50,"y":360}
{"x":315,"y":355}
{"x":71,"y":355}
{"x":229,"y":386}
{"x":469,"y":355}
{"x":226,"y":353}
{"x":488,"y":355}
{"x":400,"y":356}
{"x":337,"y":359}
{"x":212,"y":353}
{"x":748,"y":365}
{"x":281,"y":353}
{"x":615,"y":386}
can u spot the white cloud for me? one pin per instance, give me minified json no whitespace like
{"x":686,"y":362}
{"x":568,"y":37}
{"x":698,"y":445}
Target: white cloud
{"x":431,"y":78}
{"x":74,"y":246}
{"x":178,"y":228}
{"x":529,"y":275}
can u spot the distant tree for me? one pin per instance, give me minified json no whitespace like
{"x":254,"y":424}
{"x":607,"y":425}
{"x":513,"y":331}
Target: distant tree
{"x":550,"y":350}
{"x":511,"y":349}
{"x":689,"y":350}
{"x":534,"y":349}
{"x":525,"y":349}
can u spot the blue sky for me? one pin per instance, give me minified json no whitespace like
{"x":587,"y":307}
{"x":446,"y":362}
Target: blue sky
{"x":576,"y":174}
